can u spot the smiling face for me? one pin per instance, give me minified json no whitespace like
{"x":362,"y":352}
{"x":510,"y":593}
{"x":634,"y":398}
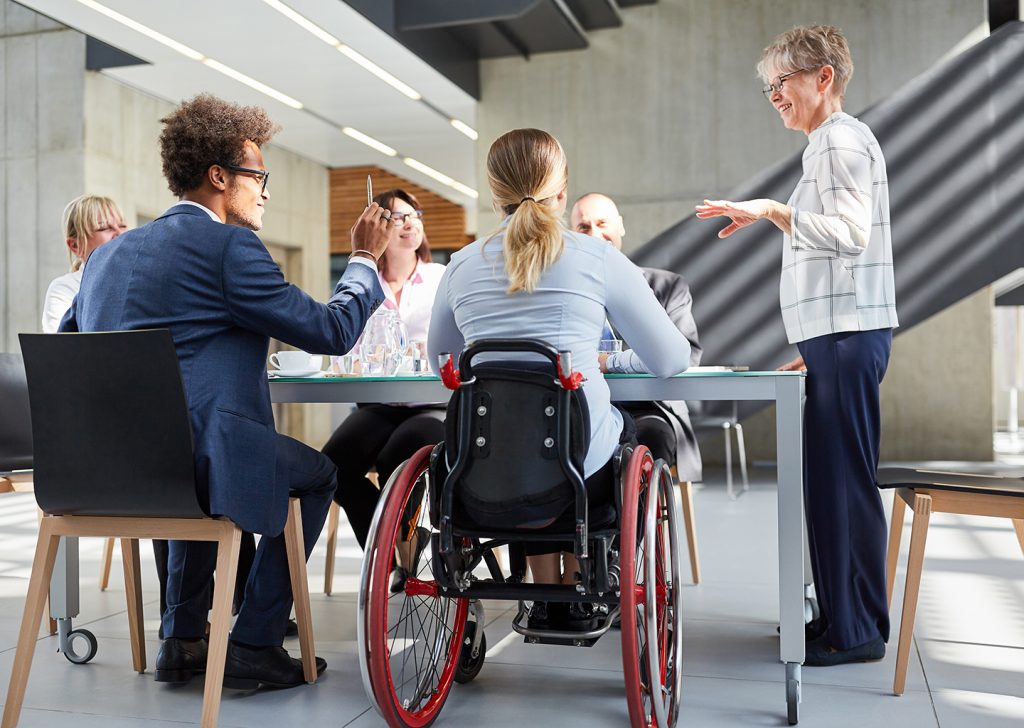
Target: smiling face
{"x":407,"y":237}
{"x":598,"y":216}
{"x":245,"y":194}
{"x":803,"y":97}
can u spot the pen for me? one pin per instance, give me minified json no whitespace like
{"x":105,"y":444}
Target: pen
{"x":369,"y":191}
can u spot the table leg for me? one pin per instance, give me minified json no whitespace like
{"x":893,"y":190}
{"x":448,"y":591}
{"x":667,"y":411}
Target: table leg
{"x":792,"y":532}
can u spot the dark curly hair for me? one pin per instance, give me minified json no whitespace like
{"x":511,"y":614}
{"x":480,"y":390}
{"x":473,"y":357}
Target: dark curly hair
{"x":206,"y":131}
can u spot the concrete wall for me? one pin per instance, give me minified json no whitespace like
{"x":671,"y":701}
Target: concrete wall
{"x":41,"y":161}
{"x":667,"y":110}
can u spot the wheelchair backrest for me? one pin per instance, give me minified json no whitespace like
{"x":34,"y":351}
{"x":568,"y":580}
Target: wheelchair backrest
{"x":504,"y":426}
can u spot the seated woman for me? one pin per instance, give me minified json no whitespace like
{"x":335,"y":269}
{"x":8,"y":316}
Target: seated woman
{"x":88,"y":222}
{"x":384,"y":435}
{"x":535,"y":279}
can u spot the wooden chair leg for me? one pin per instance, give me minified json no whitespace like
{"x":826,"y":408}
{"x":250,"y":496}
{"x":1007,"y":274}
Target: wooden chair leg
{"x":133,"y":594}
{"x":51,"y":623}
{"x":899,"y":508}
{"x":686,"y":491}
{"x":39,"y":583}
{"x":332,"y":545}
{"x":293,"y":542}
{"x":108,"y":557}
{"x":1018,"y":526}
{"x":918,"y":536}
{"x":228,"y":544}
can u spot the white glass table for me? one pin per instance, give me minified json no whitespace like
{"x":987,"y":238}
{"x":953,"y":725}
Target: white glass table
{"x":786,"y":389}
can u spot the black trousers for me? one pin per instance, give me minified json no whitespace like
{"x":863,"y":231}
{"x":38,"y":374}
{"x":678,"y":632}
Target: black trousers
{"x":652,"y":430}
{"x":268,"y":592}
{"x":377,"y":436}
{"x":845,"y":523}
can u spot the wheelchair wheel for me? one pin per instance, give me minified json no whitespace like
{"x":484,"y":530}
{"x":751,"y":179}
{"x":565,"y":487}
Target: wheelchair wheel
{"x":410,"y":637}
{"x":651,"y":614}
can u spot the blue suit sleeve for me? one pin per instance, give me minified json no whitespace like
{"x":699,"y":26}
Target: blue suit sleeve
{"x":259,"y":299}
{"x":69,"y":324}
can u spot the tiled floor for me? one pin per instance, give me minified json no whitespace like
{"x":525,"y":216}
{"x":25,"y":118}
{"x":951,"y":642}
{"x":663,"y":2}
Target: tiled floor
{"x":967,"y":668}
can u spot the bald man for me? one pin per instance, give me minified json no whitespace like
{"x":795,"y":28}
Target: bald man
{"x":664,"y":427}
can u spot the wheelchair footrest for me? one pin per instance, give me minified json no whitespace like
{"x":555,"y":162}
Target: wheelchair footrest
{"x":575,"y":642}
{"x":559,"y":636}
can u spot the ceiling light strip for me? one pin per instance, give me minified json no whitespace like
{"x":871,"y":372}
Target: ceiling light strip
{"x":295,"y":103}
{"x":144,"y":30}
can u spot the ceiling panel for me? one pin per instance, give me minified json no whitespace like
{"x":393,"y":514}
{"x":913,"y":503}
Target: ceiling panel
{"x":254,"y":39}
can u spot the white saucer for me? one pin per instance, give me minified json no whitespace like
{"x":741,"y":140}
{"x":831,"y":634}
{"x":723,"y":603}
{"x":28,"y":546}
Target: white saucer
{"x":293,"y":373}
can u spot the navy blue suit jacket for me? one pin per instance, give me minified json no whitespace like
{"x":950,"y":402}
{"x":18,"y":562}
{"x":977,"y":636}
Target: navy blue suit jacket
{"x":222,"y":296}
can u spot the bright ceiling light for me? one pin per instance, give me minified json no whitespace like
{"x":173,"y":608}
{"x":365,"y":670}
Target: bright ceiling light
{"x":253,"y":83}
{"x":369,"y":141}
{"x":468,"y":191}
{"x":440,"y":177}
{"x":465,"y":129}
{"x":357,"y":57}
{"x":303,"y":22}
{"x":145,"y":30}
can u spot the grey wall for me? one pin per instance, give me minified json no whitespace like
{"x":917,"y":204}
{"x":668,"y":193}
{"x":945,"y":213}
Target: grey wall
{"x":41,"y":159}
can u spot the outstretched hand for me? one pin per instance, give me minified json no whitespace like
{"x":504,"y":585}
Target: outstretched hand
{"x":741,"y":213}
{"x":796,"y":365}
{"x":372,"y":230}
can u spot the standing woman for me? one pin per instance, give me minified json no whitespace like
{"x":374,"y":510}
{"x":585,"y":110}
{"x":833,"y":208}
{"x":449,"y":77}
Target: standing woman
{"x":384,"y":435}
{"x":88,"y":222}
{"x":839,"y":308}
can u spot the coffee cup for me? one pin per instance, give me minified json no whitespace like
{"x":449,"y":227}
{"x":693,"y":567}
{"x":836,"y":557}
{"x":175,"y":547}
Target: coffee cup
{"x":292,"y":361}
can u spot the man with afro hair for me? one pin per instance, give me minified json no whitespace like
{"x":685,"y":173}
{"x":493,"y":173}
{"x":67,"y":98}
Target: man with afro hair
{"x":200,"y":271}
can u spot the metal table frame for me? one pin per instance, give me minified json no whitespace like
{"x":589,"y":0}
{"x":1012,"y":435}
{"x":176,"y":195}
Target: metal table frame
{"x":786,"y":389}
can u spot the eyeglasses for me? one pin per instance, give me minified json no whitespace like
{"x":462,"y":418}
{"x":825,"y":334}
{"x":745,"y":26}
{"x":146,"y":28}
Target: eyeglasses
{"x":261,"y":174}
{"x":777,"y":86}
{"x":399,"y":217}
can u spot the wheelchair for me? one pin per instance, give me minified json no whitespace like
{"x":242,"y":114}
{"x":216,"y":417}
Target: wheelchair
{"x":509,"y":470}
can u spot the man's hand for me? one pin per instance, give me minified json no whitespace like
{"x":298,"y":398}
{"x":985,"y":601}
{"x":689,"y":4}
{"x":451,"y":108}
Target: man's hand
{"x":372,"y":231}
{"x":797,"y":365}
{"x":745,"y":213}
{"x":602,"y":361}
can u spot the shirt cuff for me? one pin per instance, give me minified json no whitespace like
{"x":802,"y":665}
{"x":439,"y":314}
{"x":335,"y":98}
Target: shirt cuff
{"x":363,"y":261}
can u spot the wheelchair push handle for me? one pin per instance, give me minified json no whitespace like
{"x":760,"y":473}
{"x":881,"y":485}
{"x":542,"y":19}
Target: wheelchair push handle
{"x":561,"y":360}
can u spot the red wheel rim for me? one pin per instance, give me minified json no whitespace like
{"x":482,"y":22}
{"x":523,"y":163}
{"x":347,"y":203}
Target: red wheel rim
{"x":429,"y":687}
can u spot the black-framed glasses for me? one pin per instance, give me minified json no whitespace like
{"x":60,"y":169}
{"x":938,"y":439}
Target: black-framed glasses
{"x":777,"y":86}
{"x":261,"y":174}
{"x":399,"y":217}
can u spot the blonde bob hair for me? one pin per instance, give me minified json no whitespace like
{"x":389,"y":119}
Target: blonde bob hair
{"x":809,"y":47}
{"x":86,"y":215}
{"x":526,"y":171}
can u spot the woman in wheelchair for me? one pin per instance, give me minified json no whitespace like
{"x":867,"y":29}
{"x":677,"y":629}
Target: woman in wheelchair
{"x":535,"y":279}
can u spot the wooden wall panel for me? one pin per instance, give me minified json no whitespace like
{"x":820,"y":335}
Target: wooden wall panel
{"x":443,"y":220}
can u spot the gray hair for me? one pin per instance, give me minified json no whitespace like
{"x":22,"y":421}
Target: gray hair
{"x":809,"y":46}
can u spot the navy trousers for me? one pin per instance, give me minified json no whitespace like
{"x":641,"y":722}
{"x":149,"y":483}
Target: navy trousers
{"x":845,"y":521}
{"x":263,"y":616}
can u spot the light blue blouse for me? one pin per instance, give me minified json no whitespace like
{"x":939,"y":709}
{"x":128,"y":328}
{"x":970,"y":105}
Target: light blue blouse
{"x":567,"y":309}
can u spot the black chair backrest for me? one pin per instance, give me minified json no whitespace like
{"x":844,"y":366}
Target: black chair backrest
{"x":513,"y":475}
{"x":110,"y":425}
{"x":15,"y":421}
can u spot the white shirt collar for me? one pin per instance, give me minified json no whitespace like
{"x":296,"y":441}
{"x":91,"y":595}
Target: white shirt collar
{"x":204,"y":208}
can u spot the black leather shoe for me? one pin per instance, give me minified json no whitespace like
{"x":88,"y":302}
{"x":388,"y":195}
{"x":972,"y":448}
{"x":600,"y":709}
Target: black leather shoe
{"x":291,"y":629}
{"x":821,"y":654}
{"x":249,"y":668}
{"x":178,"y":660}
{"x":812,"y":630}
{"x":581,"y":617}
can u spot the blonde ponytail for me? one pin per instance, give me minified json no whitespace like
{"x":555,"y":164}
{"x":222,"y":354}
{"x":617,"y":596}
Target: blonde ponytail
{"x":527,"y":170}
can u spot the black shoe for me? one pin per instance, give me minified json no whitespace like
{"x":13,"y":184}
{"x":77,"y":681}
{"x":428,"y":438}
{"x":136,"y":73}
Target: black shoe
{"x":400,"y":574}
{"x":812,"y":630}
{"x":291,"y":629}
{"x":582,"y":617}
{"x":820,"y":653}
{"x":178,"y":660}
{"x":538,"y":616}
{"x":249,"y":668}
